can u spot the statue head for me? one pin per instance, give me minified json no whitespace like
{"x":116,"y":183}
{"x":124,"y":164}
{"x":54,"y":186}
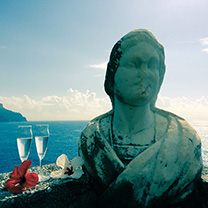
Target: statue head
{"x":128,"y":41}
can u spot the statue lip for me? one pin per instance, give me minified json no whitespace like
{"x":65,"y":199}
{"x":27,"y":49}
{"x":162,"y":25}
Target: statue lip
{"x":145,"y":90}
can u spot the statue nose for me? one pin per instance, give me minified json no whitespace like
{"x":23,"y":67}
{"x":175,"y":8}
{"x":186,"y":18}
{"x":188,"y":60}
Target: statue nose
{"x":143,"y":71}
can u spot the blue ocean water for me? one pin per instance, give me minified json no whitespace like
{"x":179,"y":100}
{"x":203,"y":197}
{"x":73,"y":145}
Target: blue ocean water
{"x":202,"y":129}
{"x":64,"y":136}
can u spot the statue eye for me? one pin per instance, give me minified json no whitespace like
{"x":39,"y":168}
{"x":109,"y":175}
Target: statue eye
{"x":134,"y":63}
{"x":152,"y":64}
{"x":131,"y":64}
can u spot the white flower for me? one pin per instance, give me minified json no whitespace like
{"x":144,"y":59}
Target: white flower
{"x":69,"y":169}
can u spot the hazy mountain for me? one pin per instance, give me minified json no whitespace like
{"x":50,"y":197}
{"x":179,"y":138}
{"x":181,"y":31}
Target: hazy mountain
{"x":10,"y":116}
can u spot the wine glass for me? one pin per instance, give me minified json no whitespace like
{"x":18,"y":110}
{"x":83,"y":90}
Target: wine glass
{"x":24,"y":140}
{"x":41,"y":141}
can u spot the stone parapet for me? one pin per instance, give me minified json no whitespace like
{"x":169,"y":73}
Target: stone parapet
{"x":52,"y":193}
{"x":72,"y":193}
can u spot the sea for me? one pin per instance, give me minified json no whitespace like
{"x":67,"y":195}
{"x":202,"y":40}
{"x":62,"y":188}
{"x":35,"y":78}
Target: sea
{"x":64,"y":137}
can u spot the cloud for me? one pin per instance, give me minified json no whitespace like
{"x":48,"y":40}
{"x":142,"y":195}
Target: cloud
{"x":4,"y":47}
{"x":99,"y":66}
{"x":204,"y":41}
{"x":205,"y":50}
{"x":75,"y":105}
{"x":184,"y":107}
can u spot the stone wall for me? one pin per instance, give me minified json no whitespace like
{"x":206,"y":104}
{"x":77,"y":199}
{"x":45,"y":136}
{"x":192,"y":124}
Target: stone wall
{"x":77,"y":193}
{"x":52,"y":193}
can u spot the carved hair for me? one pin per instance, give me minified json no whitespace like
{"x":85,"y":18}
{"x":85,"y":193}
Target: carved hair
{"x":129,"y":40}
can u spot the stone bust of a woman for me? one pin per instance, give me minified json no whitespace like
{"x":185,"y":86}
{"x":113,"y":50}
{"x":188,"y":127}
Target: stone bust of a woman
{"x":139,"y":155}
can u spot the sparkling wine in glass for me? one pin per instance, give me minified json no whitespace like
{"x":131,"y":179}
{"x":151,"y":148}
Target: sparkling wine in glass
{"x":24,"y":141}
{"x":41,"y":141}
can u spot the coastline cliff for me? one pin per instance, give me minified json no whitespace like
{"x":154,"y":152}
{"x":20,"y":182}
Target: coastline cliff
{"x":10,"y":116}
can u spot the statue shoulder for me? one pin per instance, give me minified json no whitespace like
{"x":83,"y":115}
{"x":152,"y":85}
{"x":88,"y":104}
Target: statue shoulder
{"x":186,"y":129}
{"x":99,"y":124}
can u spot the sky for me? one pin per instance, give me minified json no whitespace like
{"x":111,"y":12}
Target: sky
{"x":54,"y":54}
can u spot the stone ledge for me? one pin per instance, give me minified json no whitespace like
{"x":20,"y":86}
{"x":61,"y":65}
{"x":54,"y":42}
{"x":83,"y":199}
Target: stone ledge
{"x":52,"y":193}
{"x":73,"y":193}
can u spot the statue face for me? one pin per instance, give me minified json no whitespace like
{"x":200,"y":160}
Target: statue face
{"x":137,"y":77}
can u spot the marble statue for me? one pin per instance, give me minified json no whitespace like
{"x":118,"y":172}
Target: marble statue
{"x":139,"y":155}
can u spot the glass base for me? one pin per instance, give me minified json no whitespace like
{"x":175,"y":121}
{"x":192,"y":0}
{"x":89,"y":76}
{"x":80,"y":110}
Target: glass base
{"x":43,"y":178}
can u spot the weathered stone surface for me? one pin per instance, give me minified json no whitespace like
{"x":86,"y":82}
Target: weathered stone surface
{"x":139,"y":155}
{"x":52,"y":193}
{"x":62,"y":193}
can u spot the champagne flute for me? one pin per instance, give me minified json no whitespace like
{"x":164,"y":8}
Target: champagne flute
{"x":24,"y":140}
{"x":41,"y":141}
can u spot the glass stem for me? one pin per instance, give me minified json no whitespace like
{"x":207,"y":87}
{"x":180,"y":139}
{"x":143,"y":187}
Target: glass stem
{"x":41,"y":166}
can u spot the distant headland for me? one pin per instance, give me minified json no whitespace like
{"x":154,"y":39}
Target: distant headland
{"x":10,"y":116}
